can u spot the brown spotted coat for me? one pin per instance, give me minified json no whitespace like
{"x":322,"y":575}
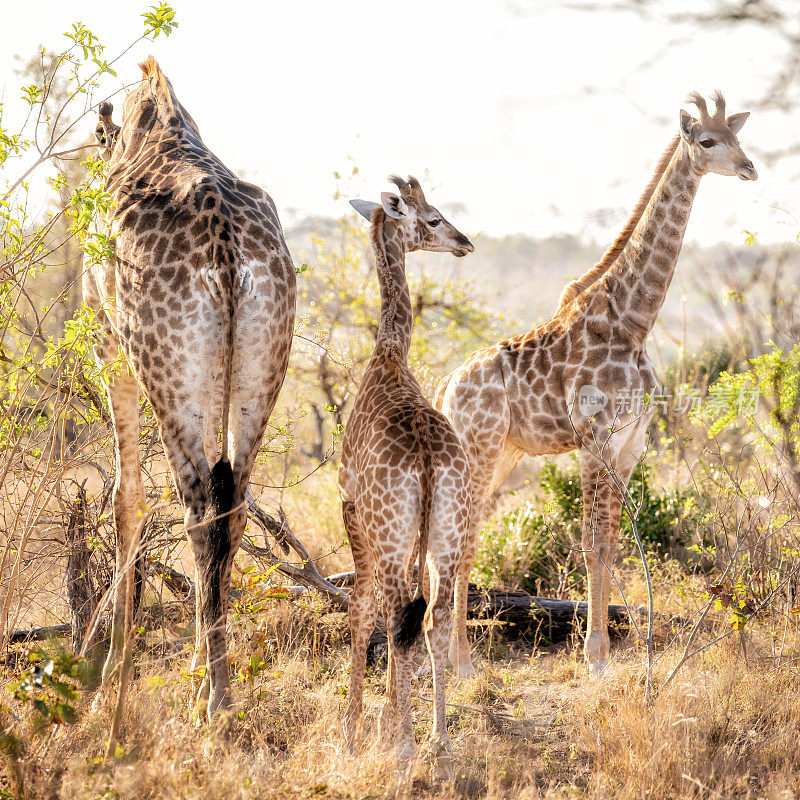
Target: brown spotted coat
{"x":531,"y":394}
{"x":199,"y":300}
{"x":404,"y":480}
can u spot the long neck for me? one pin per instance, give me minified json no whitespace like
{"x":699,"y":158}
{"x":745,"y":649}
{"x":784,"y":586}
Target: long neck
{"x":638,"y":280}
{"x":396,"y":314}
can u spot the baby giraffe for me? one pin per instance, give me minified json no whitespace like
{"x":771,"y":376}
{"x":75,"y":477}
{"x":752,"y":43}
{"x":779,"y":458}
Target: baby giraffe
{"x":403,"y":473}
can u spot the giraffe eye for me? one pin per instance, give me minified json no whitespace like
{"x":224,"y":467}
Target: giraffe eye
{"x":707,"y":143}
{"x":433,"y":222}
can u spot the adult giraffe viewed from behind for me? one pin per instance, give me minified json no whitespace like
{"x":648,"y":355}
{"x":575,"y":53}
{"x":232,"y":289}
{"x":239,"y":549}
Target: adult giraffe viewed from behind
{"x":404,"y":480}
{"x":519,"y":396}
{"x":199,"y":298}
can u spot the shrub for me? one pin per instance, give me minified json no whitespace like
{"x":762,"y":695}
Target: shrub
{"x":535,"y":547}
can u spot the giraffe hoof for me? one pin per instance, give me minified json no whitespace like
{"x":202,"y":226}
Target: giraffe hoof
{"x":424,"y":670}
{"x":439,"y":747}
{"x":598,"y":669}
{"x":464,"y":671}
{"x":406,"y":750}
{"x":439,"y":751}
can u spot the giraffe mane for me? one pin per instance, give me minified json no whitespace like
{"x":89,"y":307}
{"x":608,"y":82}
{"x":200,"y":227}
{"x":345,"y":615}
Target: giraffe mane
{"x":574,"y":288}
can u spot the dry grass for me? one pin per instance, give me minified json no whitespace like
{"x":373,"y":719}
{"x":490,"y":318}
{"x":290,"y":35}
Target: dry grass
{"x":728,"y":727}
{"x":531,"y":725}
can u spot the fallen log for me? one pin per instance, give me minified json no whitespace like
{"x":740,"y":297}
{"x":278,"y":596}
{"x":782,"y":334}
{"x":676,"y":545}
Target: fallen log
{"x":555,"y":619}
{"x":40,"y":634}
{"x":545,"y":616}
{"x":537,"y":617}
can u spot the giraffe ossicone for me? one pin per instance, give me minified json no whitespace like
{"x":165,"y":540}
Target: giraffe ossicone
{"x":559,"y":387}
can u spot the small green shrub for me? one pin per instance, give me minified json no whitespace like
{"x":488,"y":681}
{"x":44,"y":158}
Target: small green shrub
{"x":523,"y":550}
{"x":533,"y":547}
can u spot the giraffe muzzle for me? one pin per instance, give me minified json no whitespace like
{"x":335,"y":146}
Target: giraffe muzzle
{"x":746,"y":171}
{"x":465,"y":248}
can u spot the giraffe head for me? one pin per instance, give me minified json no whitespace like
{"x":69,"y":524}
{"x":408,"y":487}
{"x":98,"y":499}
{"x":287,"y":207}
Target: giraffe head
{"x":423,"y":227}
{"x":107,"y":130}
{"x":150,"y":105}
{"x":711,"y":139}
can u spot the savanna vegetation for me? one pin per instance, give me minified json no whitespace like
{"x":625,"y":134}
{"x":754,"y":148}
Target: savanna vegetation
{"x":701,"y":697}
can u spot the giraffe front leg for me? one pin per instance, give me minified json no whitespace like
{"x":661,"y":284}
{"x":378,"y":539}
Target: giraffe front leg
{"x":128,"y":505}
{"x":616,"y":502}
{"x":437,"y":635}
{"x":491,"y":460}
{"x":596,"y":545}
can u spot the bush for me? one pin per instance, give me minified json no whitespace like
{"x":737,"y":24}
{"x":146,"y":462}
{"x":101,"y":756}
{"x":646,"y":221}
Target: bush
{"x":532,"y":547}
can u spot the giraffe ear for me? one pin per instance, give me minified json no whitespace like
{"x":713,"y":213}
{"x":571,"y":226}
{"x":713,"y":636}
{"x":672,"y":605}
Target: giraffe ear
{"x":394,"y":205}
{"x":687,"y":125}
{"x":364,"y":207}
{"x":736,"y":121}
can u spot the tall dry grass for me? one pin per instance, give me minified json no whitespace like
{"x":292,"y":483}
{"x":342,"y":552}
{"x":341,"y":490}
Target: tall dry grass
{"x":531,"y":725}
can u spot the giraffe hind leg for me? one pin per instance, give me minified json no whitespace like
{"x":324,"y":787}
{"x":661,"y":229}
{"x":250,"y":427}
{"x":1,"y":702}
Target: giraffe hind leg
{"x":128,"y":506}
{"x":395,"y":719}
{"x":208,"y":496}
{"x":437,"y":636}
{"x":215,"y":575}
{"x":362,"y":613}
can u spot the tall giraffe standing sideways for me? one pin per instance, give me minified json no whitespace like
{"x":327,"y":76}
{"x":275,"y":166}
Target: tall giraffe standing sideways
{"x":519,"y":396}
{"x":199,"y":299}
{"x":403,"y":473}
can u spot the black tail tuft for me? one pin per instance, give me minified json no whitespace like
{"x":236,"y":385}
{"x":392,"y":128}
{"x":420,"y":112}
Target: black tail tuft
{"x":410,"y":623}
{"x":220,"y":491}
{"x":217,"y":516}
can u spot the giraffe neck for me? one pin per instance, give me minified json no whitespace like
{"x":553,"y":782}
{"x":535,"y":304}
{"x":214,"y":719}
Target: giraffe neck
{"x":574,"y":288}
{"x":396,"y":313}
{"x":638,"y":281}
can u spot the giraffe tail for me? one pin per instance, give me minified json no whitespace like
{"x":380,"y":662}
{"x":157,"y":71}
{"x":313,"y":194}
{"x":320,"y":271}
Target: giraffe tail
{"x":409,"y":626}
{"x":221,"y":279}
{"x":219,"y":503}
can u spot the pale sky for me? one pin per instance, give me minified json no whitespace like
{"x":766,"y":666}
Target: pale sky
{"x":487,"y":99}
